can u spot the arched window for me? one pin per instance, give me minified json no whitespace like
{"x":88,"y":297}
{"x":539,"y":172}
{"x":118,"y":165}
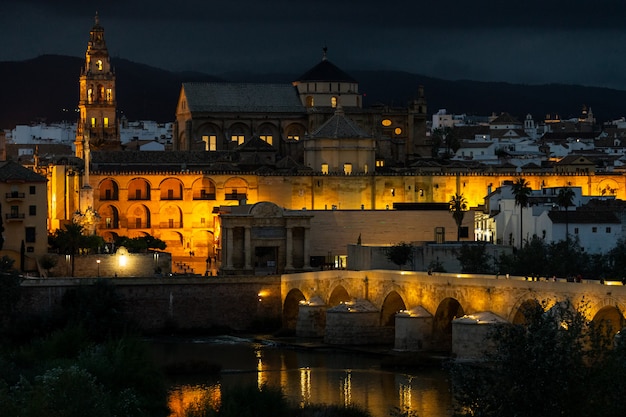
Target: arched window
{"x":333,"y":102}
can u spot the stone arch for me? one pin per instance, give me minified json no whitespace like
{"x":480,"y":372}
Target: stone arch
{"x":238,"y":133}
{"x":391,"y":305}
{"x":268,"y":132}
{"x":173,"y":240}
{"x":235,"y":188}
{"x":138,"y":189}
{"x":294,"y":131}
{"x":138,"y":217}
{"x":208,"y":130}
{"x":171,"y":217}
{"x":448,"y":309}
{"x":171,"y":189}
{"x":610,"y":318}
{"x":137,"y":233}
{"x":203,"y":189}
{"x":518,"y":313}
{"x":109,"y":217}
{"x":109,"y":190}
{"x":338,"y":295}
{"x":291,"y":306}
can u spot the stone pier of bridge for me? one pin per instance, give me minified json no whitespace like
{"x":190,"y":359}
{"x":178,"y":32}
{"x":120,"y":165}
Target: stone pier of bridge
{"x":416,"y":310}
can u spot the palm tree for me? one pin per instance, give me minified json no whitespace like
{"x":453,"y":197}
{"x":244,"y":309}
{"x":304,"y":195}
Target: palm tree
{"x":70,"y":240}
{"x":521,"y":191}
{"x":565,"y":198}
{"x":458,"y":207}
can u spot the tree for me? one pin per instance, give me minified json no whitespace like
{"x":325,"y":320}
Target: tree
{"x":69,"y":241}
{"x":521,"y":191}
{"x":400,"y":254}
{"x":458,"y":207}
{"x":474,"y":258}
{"x":565,"y":198}
{"x":545,"y":367}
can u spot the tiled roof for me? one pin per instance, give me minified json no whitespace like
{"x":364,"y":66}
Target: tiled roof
{"x":12,"y":171}
{"x":505,"y":119}
{"x":339,"y":126}
{"x":242,"y":97}
{"x":326,"y":71}
{"x":256,"y":144}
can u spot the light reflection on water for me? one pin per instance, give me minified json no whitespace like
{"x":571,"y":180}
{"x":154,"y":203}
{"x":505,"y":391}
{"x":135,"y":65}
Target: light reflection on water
{"x":308,"y":376}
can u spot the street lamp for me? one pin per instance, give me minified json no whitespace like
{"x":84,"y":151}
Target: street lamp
{"x":98,"y":262}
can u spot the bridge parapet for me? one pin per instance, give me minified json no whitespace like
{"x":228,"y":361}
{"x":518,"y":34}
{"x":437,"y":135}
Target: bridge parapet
{"x":404,"y":290}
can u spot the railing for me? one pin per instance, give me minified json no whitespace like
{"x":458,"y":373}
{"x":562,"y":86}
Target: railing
{"x":142,"y":225}
{"x":15,"y":194}
{"x":236,"y":196}
{"x":14,"y":216}
{"x":204,"y":197}
{"x":171,"y":225}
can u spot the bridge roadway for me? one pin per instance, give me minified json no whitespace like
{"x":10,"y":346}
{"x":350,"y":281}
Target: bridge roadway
{"x":447,"y":296}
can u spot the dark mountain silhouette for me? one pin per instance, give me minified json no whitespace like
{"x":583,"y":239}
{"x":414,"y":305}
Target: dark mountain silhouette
{"x":46,"y":89}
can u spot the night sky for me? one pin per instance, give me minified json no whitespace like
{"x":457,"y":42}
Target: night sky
{"x":531,"y":42}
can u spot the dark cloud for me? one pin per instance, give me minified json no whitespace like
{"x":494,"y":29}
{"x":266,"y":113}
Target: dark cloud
{"x":536,"y":41}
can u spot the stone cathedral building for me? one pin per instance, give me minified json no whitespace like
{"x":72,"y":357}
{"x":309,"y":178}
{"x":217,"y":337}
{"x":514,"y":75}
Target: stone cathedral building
{"x":307,"y":147}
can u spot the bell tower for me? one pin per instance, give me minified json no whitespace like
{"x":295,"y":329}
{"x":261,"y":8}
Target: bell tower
{"x":97,"y":128}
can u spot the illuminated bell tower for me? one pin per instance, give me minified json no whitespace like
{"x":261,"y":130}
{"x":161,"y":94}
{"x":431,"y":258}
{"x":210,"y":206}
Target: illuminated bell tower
{"x":97,"y":128}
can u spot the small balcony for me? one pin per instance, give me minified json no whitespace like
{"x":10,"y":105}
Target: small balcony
{"x":171,"y":225}
{"x":14,"y":217}
{"x":14,"y":195}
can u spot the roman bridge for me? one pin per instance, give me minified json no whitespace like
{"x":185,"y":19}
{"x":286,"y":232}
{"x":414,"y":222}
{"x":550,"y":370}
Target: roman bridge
{"x":361,"y":307}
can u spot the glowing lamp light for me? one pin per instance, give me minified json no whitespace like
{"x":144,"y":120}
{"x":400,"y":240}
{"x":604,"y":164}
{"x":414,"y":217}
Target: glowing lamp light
{"x":123,"y":260}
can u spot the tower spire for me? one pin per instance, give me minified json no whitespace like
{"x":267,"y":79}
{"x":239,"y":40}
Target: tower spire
{"x":97,"y":105}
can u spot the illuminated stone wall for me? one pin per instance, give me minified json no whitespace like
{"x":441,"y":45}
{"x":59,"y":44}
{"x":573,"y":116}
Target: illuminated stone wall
{"x":193,"y":227}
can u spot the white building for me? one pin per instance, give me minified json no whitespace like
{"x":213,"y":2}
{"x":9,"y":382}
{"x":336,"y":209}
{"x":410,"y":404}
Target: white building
{"x":597,"y":231}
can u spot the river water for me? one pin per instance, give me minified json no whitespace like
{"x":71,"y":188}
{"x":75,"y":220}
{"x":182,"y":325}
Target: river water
{"x":307,"y":375}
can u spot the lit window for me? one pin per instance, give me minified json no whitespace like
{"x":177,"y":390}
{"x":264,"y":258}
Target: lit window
{"x":386,"y":122}
{"x":333,"y":102}
{"x":267,"y":138}
{"x":324,"y":168}
{"x":380,"y":163}
{"x":293,"y":137}
{"x":106,"y":122}
{"x":93,"y":122}
{"x":99,"y":64}
{"x":109,"y":94}
{"x":210,"y":143}
{"x":310,"y":102}
{"x":237,"y":138}
{"x":347,"y":169}
{"x":397,"y":131}
{"x":90,"y":95}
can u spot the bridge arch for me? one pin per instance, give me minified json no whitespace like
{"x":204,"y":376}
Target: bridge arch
{"x":338,"y":295}
{"x":391,"y":305}
{"x":290,"y":308}
{"x":518,"y":313}
{"x":449,"y":308}
{"x":611,"y":318}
